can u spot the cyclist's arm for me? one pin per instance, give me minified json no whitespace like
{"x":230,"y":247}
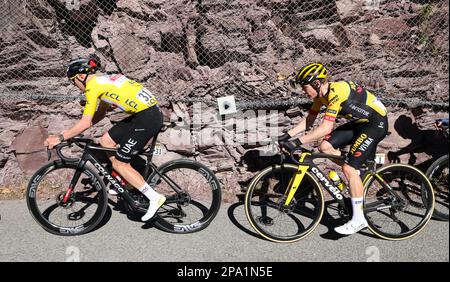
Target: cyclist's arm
{"x":88,"y":115}
{"x":304,"y":125}
{"x":78,"y":128}
{"x":100,"y":113}
{"x":328,"y":124}
{"x":321,"y":131}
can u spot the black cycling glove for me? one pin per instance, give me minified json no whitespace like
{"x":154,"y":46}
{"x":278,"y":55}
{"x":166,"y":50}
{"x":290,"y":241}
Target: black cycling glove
{"x":285,"y":137}
{"x":291,"y":145}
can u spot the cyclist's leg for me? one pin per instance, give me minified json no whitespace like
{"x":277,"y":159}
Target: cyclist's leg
{"x":340,"y":137}
{"x":365,"y":144}
{"x":145,"y":125}
{"x":114,"y":136}
{"x":132,"y":140}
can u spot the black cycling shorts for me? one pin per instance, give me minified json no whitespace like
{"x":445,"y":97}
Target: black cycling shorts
{"x":363,"y":138}
{"x":134,"y":132}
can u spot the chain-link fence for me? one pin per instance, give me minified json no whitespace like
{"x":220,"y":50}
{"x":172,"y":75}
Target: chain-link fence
{"x":191,"y":50}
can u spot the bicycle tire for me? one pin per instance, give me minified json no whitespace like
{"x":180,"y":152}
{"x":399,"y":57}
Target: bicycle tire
{"x":433,"y":172}
{"x":426,"y":198}
{"x":42,"y":220}
{"x":253,"y":219}
{"x":214,"y":187}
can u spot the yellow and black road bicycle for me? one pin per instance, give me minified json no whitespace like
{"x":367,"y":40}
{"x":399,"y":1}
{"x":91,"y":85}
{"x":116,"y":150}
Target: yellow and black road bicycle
{"x":285,"y":201}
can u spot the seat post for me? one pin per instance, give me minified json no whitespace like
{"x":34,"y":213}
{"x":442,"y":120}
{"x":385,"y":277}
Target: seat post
{"x":152,"y":147}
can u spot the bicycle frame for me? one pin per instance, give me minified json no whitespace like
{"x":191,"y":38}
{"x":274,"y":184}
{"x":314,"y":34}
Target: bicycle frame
{"x":305,"y":164}
{"x":88,"y":156}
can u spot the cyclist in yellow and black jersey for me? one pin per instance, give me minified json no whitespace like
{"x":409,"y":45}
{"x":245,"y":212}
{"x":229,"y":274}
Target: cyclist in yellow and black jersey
{"x":130,"y":134}
{"x":367,"y":126}
{"x":350,"y":101}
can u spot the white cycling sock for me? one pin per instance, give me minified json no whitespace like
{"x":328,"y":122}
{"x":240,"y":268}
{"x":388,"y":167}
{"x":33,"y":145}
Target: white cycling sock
{"x":358,"y":214}
{"x":148,"y":191}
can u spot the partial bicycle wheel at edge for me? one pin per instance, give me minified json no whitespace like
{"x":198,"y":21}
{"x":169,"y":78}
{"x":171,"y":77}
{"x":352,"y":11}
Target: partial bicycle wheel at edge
{"x":267,"y":214}
{"x":201,"y":200}
{"x":438,"y":175}
{"x":398,"y":220}
{"x":83,"y":211}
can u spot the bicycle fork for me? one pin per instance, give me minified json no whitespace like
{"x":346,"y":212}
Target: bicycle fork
{"x":295,"y":181}
{"x":73,"y":182}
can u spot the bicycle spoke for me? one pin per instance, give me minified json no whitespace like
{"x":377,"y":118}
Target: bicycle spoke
{"x":402,"y":208}
{"x":272,"y":218}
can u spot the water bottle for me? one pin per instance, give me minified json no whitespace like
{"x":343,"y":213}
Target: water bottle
{"x":336,"y":180}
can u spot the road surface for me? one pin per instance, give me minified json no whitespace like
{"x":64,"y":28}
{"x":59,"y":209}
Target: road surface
{"x":228,"y":239}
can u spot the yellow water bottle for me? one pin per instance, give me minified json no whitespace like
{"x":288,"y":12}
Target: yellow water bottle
{"x":336,"y":180}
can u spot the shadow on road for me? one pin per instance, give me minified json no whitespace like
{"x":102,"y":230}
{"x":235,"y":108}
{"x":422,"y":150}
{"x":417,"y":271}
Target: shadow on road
{"x":241,"y":222}
{"x":105,"y":219}
{"x":330,"y":219}
{"x":119,"y":206}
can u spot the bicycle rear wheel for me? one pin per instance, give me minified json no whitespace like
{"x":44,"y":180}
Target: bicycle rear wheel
{"x":80,"y":214}
{"x":402,"y":212}
{"x":438,"y":175}
{"x":267,"y":214}
{"x":196,"y":206}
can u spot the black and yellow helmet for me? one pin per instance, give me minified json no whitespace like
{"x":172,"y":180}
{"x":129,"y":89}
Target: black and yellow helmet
{"x":310,"y":73}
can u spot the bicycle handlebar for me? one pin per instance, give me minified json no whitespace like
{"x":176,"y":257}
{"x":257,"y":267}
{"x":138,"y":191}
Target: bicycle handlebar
{"x":77,"y":140}
{"x":291,"y":155}
{"x":313,"y":155}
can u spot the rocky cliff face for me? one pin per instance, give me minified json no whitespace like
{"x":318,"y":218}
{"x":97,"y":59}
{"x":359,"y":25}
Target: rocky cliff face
{"x":199,"y":49}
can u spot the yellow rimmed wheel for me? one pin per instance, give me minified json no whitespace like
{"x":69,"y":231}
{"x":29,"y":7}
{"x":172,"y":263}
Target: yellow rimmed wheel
{"x":266,"y":209}
{"x":398,"y":202}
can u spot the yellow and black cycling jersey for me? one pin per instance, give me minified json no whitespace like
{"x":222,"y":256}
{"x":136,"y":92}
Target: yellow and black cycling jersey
{"x":119,"y":91}
{"x":351,"y":101}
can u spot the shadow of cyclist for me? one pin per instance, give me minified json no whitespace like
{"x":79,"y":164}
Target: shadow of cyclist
{"x":119,"y":205}
{"x":430,"y":142}
{"x":330,"y":219}
{"x":241,"y":222}
{"x":104,"y":220}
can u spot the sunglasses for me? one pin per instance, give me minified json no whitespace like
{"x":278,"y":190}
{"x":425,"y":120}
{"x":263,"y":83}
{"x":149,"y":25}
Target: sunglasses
{"x":294,"y":84}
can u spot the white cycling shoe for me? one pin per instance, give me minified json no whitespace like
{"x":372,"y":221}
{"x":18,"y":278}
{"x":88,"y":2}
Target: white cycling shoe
{"x":153,"y":208}
{"x":351,"y":227}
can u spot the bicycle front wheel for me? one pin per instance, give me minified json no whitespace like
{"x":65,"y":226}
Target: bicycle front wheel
{"x":267,"y":213}
{"x":192,"y":209}
{"x":402,"y":210}
{"x":438,"y":175}
{"x":81,"y":213}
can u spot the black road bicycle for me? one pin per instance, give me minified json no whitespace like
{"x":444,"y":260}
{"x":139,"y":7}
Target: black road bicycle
{"x":438,"y":175}
{"x":69,"y":196}
{"x":285,"y":202}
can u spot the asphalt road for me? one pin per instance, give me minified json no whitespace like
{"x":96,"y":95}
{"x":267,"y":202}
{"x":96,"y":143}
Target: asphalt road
{"x":229,"y":238}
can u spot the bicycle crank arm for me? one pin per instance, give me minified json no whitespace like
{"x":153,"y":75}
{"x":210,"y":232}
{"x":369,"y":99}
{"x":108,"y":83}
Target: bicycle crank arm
{"x":373,"y":207}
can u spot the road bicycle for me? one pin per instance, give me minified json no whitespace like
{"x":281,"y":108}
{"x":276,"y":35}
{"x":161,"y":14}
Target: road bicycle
{"x":285,"y":202}
{"x":68,"y":196}
{"x":438,"y":175}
